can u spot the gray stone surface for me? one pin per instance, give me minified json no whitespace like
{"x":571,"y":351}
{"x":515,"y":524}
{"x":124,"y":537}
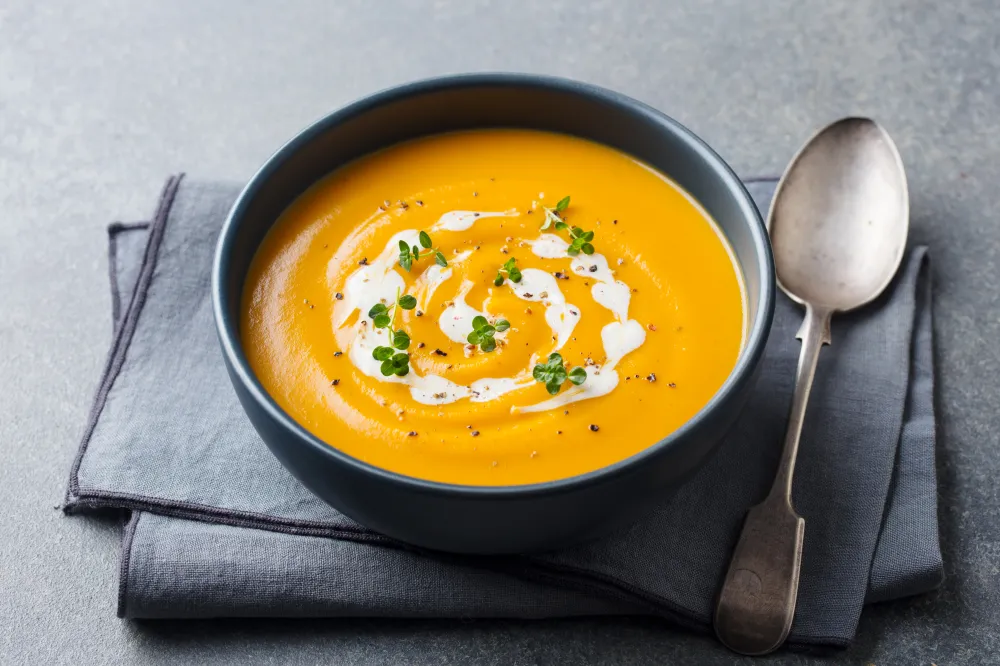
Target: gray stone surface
{"x":99,"y":101}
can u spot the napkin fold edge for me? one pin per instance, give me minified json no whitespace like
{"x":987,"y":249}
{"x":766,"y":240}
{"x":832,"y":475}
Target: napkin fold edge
{"x":122,"y":334}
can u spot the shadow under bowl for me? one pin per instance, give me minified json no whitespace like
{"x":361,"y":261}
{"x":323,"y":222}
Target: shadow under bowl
{"x":487,"y":519}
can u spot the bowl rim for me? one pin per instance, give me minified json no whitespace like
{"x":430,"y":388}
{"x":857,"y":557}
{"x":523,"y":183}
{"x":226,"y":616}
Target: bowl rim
{"x":753,"y":350}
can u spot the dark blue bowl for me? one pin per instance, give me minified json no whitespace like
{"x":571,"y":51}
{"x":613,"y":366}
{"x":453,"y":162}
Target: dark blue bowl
{"x":477,"y":519}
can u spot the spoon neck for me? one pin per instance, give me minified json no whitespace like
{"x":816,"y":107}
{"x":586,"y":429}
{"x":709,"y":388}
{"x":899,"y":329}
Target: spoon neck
{"x":815,"y":324}
{"x":814,"y":333}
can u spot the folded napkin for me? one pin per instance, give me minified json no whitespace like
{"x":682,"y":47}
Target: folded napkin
{"x":219,"y":528}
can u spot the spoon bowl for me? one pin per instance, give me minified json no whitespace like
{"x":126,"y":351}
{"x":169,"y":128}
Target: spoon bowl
{"x":840,"y":216}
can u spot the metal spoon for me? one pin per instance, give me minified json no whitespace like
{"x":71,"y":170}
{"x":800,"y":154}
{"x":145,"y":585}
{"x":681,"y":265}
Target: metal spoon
{"x":838,"y":225}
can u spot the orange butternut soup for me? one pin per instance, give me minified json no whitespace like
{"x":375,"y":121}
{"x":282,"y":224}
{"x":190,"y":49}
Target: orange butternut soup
{"x":493,"y":307}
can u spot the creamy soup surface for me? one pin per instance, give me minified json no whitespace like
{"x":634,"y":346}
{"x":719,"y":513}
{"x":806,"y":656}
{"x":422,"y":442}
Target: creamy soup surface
{"x":494,"y":307}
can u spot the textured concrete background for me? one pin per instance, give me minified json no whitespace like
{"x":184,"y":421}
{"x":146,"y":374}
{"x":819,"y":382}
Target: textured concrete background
{"x":99,"y":101}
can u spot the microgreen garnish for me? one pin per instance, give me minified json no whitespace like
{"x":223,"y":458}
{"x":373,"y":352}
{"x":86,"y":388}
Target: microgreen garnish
{"x":553,"y":374}
{"x":510,"y":268}
{"x":483,"y":332}
{"x":408,"y":254}
{"x":579,"y":241}
{"x":552,"y":214}
{"x":383,"y":316}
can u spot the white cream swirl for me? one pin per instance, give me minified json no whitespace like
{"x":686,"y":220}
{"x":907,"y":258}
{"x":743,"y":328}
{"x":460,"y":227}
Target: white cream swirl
{"x":379,"y":281}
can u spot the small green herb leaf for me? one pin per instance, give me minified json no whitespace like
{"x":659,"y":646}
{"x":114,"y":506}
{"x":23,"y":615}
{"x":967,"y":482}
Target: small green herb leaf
{"x":510,"y":268}
{"x":405,"y":260}
{"x":410,"y":253}
{"x":552,"y":214}
{"x":553,"y":374}
{"x":400,"y":340}
{"x":579,"y":239}
{"x":577,"y":245}
{"x":392,"y":362}
{"x":483,"y":332}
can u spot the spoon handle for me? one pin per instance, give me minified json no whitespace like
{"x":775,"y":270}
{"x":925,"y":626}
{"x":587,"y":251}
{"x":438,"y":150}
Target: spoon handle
{"x":814,"y":333}
{"x":757,"y":603}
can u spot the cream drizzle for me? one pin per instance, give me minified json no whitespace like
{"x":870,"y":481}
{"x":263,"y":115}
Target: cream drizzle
{"x":456,"y":320}
{"x":538,"y":286}
{"x":432,"y":278}
{"x":619,"y":338}
{"x":623,"y":338}
{"x":462,"y":220}
{"x":379,"y":281}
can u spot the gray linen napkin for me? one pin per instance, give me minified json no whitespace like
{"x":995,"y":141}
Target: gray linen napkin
{"x":219,"y":528}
